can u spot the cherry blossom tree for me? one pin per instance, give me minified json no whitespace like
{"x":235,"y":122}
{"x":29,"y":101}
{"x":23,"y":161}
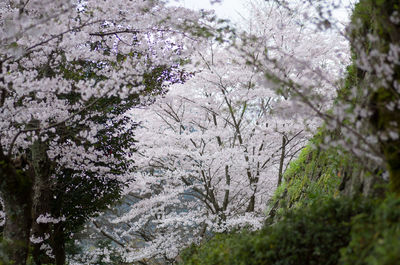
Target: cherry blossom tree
{"x":68,"y":72}
{"x":288,"y":47}
{"x":214,"y":148}
{"x":208,"y":158}
{"x":206,"y":137}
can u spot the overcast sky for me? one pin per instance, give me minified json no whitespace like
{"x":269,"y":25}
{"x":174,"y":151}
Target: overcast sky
{"x":229,"y":9}
{"x":232,"y":8}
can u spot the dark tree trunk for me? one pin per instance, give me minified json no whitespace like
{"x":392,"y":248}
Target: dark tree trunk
{"x":15,"y":187}
{"x":282,"y":159}
{"x":58,"y":244}
{"x":42,"y":196}
{"x":251,"y":205}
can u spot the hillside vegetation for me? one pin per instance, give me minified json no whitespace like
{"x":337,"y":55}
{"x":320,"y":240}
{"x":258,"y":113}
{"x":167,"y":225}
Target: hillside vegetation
{"x":333,"y":207}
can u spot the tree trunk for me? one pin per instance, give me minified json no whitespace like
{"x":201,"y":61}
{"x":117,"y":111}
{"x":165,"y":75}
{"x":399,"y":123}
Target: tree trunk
{"x":42,"y":195}
{"x":251,"y":205}
{"x":282,"y":160}
{"x":375,"y":18}
{"x":15,"y":187}
{"x":58,"y":244}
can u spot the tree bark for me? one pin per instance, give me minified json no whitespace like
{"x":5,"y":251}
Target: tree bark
{"x":42,"y":195}
{"x":251,"y":205}
{"x":15,"y":187}
{"x":282,"y":160}
{"x":375,"y":17}
{"x":58,"y":244}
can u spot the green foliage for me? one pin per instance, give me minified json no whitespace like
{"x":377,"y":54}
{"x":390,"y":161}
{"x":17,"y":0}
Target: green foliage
{"x":372,"y":16}
{"x":279,"y":192}
{"x":345,"y":95}
{"x":85,"y":197}
{"x":309,"y":235}
{"x":298,"y":164}
{"x":375,"y":238}
{"x":4,"y":248}
{"x":222,"y":249}
{"x":342,"y":231}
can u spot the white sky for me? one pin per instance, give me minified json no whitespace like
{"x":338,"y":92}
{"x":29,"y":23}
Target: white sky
{"x":231,"y":9}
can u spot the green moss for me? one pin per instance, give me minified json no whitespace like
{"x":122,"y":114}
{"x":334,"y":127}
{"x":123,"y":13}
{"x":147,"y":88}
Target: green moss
{"x":315,"y":175}
{"x":279,"y":192}
{"x":373,"y":17}
{"x":298,"y":164}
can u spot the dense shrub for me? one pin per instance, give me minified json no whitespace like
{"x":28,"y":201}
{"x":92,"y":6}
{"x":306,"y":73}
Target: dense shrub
{"x":312,"y":235}
{"x":375,"y":238}
{"x":222,"y":249}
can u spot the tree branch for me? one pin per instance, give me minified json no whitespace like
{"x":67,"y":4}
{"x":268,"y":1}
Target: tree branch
{"x":108,"y":235}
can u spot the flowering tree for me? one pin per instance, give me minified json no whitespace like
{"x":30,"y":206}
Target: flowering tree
{"x":203,"y":148}
{"x":213,"y":149}
{"x":289,"y":48}
{"x":209,"y":157}
{"x":68,"y":72}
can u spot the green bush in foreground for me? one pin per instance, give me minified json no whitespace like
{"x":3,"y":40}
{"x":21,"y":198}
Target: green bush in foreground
{"x":312,"y":235}
{"x":375,"y":238}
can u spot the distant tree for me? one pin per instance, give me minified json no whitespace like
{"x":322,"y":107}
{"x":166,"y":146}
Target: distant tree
{"x":209,"y":159}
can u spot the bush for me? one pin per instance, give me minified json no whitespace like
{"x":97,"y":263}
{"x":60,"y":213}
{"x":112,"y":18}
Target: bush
{"x":222,"y":249}
{"x":312,"y":235}
{"x":375,"y":238}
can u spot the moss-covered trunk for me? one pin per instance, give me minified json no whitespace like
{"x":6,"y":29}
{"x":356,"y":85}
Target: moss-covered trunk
{"x":383,"y":121}
{"x":375,"y":38}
